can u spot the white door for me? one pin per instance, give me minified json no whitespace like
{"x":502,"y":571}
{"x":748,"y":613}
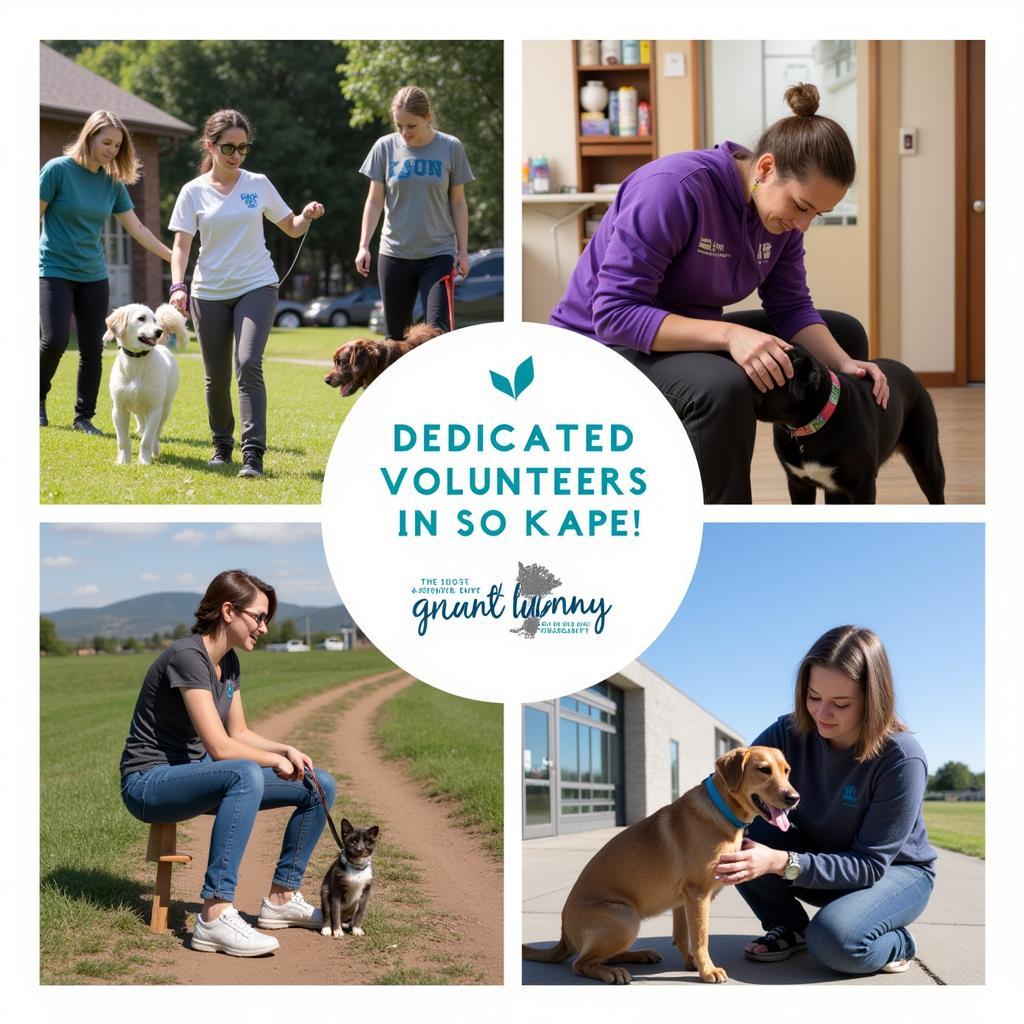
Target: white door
{"x":116,"y":244}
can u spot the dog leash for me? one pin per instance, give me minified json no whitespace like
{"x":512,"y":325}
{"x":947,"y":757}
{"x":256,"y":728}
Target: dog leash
{"x":302,"y":242}
{"x":323,"y":799}
{"x":449,"y":287}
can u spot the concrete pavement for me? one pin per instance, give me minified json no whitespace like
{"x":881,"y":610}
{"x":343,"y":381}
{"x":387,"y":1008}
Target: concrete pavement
{"x":950,"y":933}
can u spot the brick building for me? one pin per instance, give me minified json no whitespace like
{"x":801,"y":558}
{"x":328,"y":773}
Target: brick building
{"x":614,"y":753}
{"x":68,"y":94}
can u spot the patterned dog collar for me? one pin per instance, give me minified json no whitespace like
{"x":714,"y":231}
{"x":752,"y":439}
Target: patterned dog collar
{"x":825,"y":415}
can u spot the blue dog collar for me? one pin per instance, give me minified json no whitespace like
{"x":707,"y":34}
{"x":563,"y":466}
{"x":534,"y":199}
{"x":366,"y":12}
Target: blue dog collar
{"x":716,"y":799}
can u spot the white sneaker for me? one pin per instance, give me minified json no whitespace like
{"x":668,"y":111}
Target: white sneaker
{"x":895,"y":967}
{"x":230,"y":934}
{"x":296,"y":913}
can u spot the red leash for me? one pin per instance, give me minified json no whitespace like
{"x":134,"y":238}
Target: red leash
{"x":449,"y":287}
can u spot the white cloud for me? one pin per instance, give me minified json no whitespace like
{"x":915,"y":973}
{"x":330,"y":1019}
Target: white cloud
{"x":149,"y":577}
{"x":269,"y":533}
{"x":59,"y":562}
{"x":122,"y":529}
{"x":185,"y":578}
{"x":86,"y":590}
{"x":193,"y":537}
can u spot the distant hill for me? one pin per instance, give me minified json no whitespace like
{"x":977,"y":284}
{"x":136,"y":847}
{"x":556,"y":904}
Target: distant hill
{"x":143,"y":616}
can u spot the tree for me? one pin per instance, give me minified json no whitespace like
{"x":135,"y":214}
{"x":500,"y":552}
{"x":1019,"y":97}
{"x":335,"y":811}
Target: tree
{"x":465,"y":81}
{"x":304,"y":140}
{"x":179,"y":631}
{"x":49,"y":642}
{"x":951,"y":777}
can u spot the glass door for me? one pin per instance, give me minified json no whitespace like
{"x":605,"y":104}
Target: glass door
{"x":538,"y":793}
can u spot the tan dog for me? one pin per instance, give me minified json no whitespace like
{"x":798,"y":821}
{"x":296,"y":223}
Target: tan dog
{"x":358,"y":363}
{"x":667,"y":861}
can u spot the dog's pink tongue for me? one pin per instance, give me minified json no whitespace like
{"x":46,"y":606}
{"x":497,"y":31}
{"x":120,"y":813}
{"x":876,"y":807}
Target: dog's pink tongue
{"x":779,"y":818}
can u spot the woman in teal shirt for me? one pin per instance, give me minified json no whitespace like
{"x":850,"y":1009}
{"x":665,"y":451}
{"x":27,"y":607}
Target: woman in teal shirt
{"x":77,"y":193}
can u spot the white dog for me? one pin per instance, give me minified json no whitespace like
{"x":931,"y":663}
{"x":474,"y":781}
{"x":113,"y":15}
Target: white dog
{"x":145,"y":374}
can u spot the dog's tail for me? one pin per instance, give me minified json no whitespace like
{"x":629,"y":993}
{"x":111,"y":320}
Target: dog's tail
{"x":173,"y":323}
{"x":554,"y":955}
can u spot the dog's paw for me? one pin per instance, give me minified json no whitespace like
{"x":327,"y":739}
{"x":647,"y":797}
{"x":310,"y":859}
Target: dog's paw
{"x":358,"y":931}
{"x":617,"y":976}
{"x":326,"y":930}
{"x":123,"y":458}
{"x":145,"y":459}
{"x":648,"y":956}
{"x":338,"y":933}
{"x":714,"y":975}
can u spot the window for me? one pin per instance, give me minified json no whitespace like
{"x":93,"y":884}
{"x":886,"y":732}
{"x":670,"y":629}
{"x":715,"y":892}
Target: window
{"x":673,"y":767}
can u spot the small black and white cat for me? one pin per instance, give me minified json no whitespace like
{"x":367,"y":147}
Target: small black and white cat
{"x":346,"y":887}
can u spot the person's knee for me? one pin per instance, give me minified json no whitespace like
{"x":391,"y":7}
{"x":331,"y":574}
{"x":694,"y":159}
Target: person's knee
{"x":246,"y":777}
{"x":837,"y":946}
{"x":327,"y":783}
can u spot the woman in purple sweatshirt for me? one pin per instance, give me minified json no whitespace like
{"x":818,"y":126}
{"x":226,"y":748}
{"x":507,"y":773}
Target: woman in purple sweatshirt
{"x":693,"y":232}
{"x":856,"y":844}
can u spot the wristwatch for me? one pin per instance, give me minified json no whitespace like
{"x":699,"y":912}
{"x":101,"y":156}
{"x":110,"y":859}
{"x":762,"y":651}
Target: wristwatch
{"x":792,"y":869}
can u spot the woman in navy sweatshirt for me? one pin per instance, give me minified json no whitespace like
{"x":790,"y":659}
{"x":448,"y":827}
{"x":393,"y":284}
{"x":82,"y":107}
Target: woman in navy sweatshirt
{"x":693,"y":232}
{"x":858,"y":848}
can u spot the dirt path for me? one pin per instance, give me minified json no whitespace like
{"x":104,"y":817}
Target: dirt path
{"x":461,"y":894}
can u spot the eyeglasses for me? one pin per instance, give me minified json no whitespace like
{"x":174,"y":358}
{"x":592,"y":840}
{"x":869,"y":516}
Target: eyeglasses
{"x":229,"y":148}
{"x":260,"y":618}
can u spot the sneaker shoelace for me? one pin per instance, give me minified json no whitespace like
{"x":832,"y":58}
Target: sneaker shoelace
{"x":231,"y":917}
{"x":300,"y":901}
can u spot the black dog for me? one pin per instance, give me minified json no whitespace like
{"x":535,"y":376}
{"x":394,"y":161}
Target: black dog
{"x":831,"y":433}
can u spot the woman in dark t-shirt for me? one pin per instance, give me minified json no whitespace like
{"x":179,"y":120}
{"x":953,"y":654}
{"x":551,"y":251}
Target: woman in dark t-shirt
{"x":189,"y":752}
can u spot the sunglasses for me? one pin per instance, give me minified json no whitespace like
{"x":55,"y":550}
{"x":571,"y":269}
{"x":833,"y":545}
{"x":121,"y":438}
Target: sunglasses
{"x":260,"y":618}
{"x":229,"y":148}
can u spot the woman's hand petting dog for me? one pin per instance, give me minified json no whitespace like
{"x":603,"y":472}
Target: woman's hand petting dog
{"x":751,"y":861}
{"x":880,"y":384}
{"x":762,"y":356}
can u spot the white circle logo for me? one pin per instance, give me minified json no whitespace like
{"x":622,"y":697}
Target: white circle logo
{"x":512,"y":512}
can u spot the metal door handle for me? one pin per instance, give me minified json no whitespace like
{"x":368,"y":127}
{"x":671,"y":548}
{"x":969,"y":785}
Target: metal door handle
{"x":978,"y":206}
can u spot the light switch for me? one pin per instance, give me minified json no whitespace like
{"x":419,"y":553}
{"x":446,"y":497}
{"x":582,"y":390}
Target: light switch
{"x":675,"y":65}
{"x":908,"y":141}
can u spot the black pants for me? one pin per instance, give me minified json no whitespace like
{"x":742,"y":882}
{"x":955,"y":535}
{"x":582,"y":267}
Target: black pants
{"x":715,"y":400}
{"x":89,"y":301}
{"x":401,"y":280}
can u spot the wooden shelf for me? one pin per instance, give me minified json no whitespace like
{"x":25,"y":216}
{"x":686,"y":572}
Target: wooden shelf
{"x":615,"y":140}
{"x":593,"y":69}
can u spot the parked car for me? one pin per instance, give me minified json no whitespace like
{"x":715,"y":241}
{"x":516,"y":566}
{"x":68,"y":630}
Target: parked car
{"x":289,"y":646}
{"x":341,"y":310}
{"x":332,"y":643}
{"x":479,"y":298}
{"x":288,"y":314}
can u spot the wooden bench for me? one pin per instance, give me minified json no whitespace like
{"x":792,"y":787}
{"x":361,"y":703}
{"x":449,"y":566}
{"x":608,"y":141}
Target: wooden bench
{"x":162,"y":849}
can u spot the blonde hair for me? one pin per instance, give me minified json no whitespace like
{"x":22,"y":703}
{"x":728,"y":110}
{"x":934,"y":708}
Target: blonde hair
{"x":126,"y":166}
{"x":216,"y":125}
{"x":807,"y":142}
{"x":859,"y":655}
{"x":413,"y":99}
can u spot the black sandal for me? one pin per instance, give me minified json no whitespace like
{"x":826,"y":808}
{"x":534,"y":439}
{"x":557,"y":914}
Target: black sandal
{"x":780,"y":942}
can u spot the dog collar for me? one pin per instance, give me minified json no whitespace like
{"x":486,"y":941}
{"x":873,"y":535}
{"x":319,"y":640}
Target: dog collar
{"x":135,"y":355}
{"x":716,"y":799}
{"x":825,"y":415}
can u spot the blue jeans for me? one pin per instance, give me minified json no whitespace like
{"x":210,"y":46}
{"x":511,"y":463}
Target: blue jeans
{"x":857,"y":931}
{"x":233,"y":791}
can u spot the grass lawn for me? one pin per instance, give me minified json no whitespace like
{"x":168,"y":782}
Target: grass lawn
{"x":303,"y":417}
{"x":956,"y":826}
{"x":455,"y":747}
{"x":90,"y":847}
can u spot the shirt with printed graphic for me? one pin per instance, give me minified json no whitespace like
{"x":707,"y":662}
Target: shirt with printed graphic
{"x":418,"y":220}
{"x":681,"y":237}
{"x":854,"y":819}
{"x":161,"y":730}
{"x":233,"y":255}
{"x":79,"y":201}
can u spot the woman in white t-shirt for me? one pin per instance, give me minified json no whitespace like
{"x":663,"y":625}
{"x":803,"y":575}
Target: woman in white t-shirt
{"x":417,"y":178}
{"x":234,"y":286}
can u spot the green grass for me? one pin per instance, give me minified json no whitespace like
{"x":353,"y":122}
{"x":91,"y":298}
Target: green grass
{"x":956,"y":826}
{"x":92,"y":916}
{"x":454,"y":746}
{"x":303,"y":417}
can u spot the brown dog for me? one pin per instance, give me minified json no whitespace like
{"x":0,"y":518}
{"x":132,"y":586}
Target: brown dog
{"x":358,"y":363}
{"x":667,"y":861}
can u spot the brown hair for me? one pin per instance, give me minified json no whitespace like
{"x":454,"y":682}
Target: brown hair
{"x":807,"y":142}
{"x":216,"y":125}
{"x":125,"y":167}
{"x":235,"y":587}
{"x":413,"y":99}
{"x":860,"y":656}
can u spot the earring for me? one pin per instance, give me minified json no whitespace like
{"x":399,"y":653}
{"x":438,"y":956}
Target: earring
{"x":753,"y":191}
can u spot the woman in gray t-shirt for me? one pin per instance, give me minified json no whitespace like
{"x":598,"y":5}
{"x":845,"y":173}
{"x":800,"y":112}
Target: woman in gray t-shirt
{"x":417,"y":178}
{"x":189,"y":752}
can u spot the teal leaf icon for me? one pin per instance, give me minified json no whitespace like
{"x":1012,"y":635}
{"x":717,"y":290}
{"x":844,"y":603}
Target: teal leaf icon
{"x":524,"y":375}
{"x":502,"y":384}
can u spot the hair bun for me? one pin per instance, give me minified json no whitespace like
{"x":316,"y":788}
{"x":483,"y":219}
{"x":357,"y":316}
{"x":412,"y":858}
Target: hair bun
{"x":803,"y":99}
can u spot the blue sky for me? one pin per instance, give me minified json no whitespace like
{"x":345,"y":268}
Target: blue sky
{"x":88,"y":565}
{"x":763,"y":593}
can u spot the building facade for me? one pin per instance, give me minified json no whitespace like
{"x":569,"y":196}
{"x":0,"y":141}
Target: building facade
{"x":614,"y":753}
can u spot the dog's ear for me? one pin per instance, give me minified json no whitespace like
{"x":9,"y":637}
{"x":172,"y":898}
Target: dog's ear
{"x":346,"y":827}
{"x":116,"y":323}
{"x":730,"y":766}
{"x":373,"y":831}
